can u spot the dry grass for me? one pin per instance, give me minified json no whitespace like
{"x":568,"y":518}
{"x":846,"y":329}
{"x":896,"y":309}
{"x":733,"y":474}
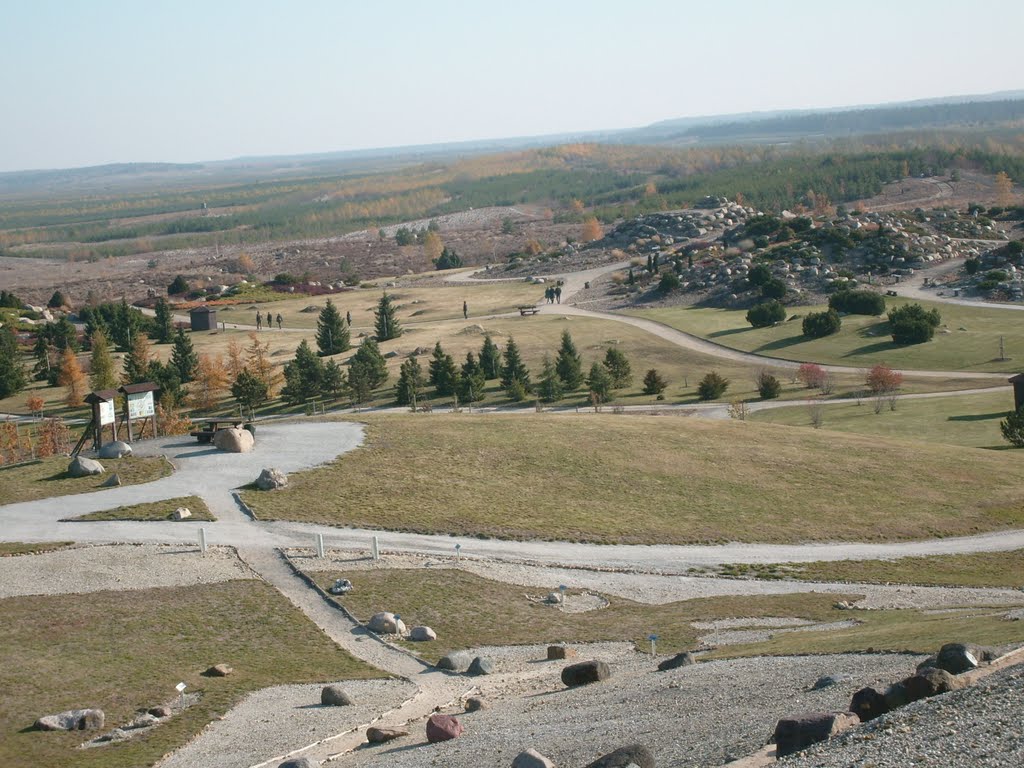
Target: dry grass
{"x":48,"y":477}
{"x":121,"y":651}
{"x":645,"y":479}
{"x":13,"y":548}
{"x":154,"y":510}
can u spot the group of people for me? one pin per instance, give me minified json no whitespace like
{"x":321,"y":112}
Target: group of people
{"x":270,"y":321}
{"x":553,"y":294}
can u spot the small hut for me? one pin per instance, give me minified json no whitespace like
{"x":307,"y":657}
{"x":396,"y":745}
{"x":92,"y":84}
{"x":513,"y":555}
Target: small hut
{"x":203,"y":318}
{"x":1018,"y":390}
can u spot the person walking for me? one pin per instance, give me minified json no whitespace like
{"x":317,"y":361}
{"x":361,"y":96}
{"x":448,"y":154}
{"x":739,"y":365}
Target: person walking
{"x":348,"y":318}
{"x":465,"y":311}
{"x":558,"y":293}
{"x":280,"y":321}
{"x":270,"y":321}
{"x":259,"y":321}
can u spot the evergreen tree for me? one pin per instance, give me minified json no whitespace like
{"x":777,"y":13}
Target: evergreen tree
{"x":550,"y":386}
{"x":101,"y":363}
{"x":183,"y":356}
{"x":444,"y":376}
{"x":654,"y":384}
{"x":335,"y":380}
{"x":490,"y":358}
{"x":600,"y":383}
{"x":166,"y":377}
{"x":12,"y":372}
{"x":569,"y":364}
{"x":618,"y":368}
{"x":137,"y":361}
{"x":332,"y":336}
{"x":367,"y":370}
{"x":386,"y":323}
{"x":178,"y":285}
{"x":249,"y":390}
{"x":125,"y":324}
{"x":410,"y":382}
{"x":514,"y":371}
{"x":303,"y":376}
{"x":472,"y":382}
{"x":163,"y":326}
{"x":56,"y":301}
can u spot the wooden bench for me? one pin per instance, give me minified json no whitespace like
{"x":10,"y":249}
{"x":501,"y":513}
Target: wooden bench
{"x":205,"y":435}
{"x":524,"y":311}
{"x":891,"y":293}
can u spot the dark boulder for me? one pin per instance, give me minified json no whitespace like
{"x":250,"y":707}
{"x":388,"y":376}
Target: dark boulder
{"x":867,"y":704}
{"x":632,"y":754}
{"x":585,"y":672}
{"x":683,"y":659}
{"x":793,"y":734}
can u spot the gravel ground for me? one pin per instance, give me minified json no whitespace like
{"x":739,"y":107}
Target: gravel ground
{"x":978,"y":727}
{"x":276,"y":721}
{"x":694,"y":716}
{"x":125,"y":566}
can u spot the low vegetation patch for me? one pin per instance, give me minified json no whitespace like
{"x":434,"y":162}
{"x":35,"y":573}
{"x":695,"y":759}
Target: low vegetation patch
{"x":154,"y":510}
{"x":12,"y":548}
{"x":48,"y":477}
{"x":128,"y":650}
{"x":608,"y":478}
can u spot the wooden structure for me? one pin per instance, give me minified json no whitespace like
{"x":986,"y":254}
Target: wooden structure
{"x":203,"y":318}
{"x":530,"y":310}
{"x":139,"y":406}
{"x":210,"y":427}
{"x":104,"y":414}
{"x":1018,"y":390}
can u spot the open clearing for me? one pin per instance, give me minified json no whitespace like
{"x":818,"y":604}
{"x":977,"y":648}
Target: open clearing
{"x":646,"y":479}
{"x":48,"y":477}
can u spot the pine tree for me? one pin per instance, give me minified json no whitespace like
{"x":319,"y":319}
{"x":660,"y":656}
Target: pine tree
{"x":249,"y":390}
{"x":410,"y":382}
{"x":137,"y":361}
{"x":444,"y":376}
{"x":490,"y":358}
{"x":12,"y":372}
{"x":125,"y":324}
{"x":163,"y":327}
{"x":303,"y":376}
{"x":386,"y":323}
{"x":472,"y":381}
{"x":101,"y":363}
{"x":183,"y":356}
{"x":514,"y":371}
{"x":654,"y":384}
{"x":367,"y":370}
{"x":335,"y":380}
{"x":569,"y":364}
{"x":600,"y":383}
{"x":71,"y":378}
{"x":550,"y":386}
{"x":618,"y":368}
{"x":332,"y":336}
{"x":56,"y":301}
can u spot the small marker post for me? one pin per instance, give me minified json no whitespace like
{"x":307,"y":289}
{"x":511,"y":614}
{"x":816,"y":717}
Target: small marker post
{"x":561,"y":590}
{"x":654,"y":644}
{"x":376,"y":548}
{"x":202,"y":540}
{"x":458,"y":553}
{"x":180,"y":688}
{"x":320,"y":545}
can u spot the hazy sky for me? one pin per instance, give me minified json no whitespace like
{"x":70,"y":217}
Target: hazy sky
{"x":98,"y":81}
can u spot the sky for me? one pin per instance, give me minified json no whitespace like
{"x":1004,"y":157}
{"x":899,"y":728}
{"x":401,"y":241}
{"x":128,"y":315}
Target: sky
{"x":88,"y":82}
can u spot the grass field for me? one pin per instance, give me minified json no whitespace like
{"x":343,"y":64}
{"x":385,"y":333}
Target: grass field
{"x":648,"y":479}
{"x":971,"y":345}
{"x":978,"y":569}
{"x":121,"y":651}
{"x":967,"y":420}
{"x":12,"y":548}
{"x":154,"y":510}
{"x":48,"y":477}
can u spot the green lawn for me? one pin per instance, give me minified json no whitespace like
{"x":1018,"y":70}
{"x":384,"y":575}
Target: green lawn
{"x":967,"y":420}
{"x":650,"y":479}
{"x":121,"y":651}
{"x":48,"y":477}
{"x":971,"y":345}
{"x":154,"y":510}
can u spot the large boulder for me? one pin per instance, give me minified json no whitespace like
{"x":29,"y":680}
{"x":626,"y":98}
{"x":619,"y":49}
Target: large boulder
{"x":559,"y":652}
{"x":385,"y":623}
{"x":957,"y":658}
{"x":219,"y":670}
{"x":531,"y":758}
{"x":443,"y":728}
{"x":114,"y":481}
{"x":376,"y":735}
{"x":683,"y":659}
{"x":930,"y":682}
{"x":631,"y":754}
{"x":481,"y":665}
{"x":181,"y":513}
{"x":585,"y":672}
{"x":867,"y":704}
{"x":72,"y":720}
{"x":334,"y":696}
{"x":115,"y":450}
{"x":271,"y":479}
{"x":80,"y":466}
{"x":456,"y":661}
{"x":300,"y":762}
{"x":793,"y":734}
{"x":233,"y":440}
{"x":422,"y":634}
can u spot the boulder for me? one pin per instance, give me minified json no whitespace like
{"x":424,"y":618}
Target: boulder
{"x":556,"y":652}
{"x":683,"y":659}
{"x":481,"y":666}
{"x":930,"y":682}
{"x":160,"y":711}
{"x":422,"y":634}
{"x":793,"y":734}
{"x":827,"y":681}
{"x":334,"y":696}
{"x":531,"y":758}
{"x":181,"y":513}
{"x":83,"y":467}
{"x":271,"y":479}
{"x":385,"y":623}
{"x":443,"y":728}
{"x":340,"y":587}
{"x":376,"y":735}
{"x":631,"y":754}
{"x":114,"y":481}
{"x":957,"y":658}
{"x":300,"y":762}
{"x":867,"y":704}
{"x":475,"y":704}
{"x":219,"y":670}
{"x":896,"y":696}
{"x":456,"y":661}
{"x":555,"y":598}
{"x":145,"y":720}
{"x":233,"y":440}
{"x":115,"y":450}
{"x":72,"y":720}
{"x":585,"y":672}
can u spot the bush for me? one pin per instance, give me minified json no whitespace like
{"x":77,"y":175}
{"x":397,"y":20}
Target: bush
{"x":996,"y":275}
{"x":913,"y":324}
{"x":669,"y":282}
{"x":813,"y":376}
{"x":972,"y":265}
{"x":819,"y":324}
{"x":765,"y":314}
{"x":861,"y":302}
{"x":759,"y":274}
{"x":178,"y":285}
{"x":1012,"y":428}
{"x":712,"y":387}
{"x":768,"y":387}
{"x":773,"y":289}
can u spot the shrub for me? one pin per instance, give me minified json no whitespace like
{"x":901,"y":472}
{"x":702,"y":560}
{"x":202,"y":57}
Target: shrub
{"x":178,"y":285}
{"x":813,"y":376}
{"x":1012,"y":428}
{"x":913,"y":324}
{"x":972,"y":265}
{"x":669,"y":282}
{"x":773,"y":289}
{"x":654,"y":384}
{"x":766,"y":313}
{"x":768,"y":387}
{"x":861,"y":302}
{"x":997,"y":275}
{"x":712,"y":386}
{"x":882,"y":379}
{"x":819,"y":324}
{"x":759,"y":274}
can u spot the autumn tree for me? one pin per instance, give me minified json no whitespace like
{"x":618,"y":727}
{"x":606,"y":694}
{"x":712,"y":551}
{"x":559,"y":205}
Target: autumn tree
{"x":432,"y":246}
{"x":71,"y":378}
{"x":210,"y":380}
{"x":101,"y":363}
{"x":882,"y":379}
{"x":1004,"y":189}
{"x":235,"y":364}
{"x":591,"y":230}
{"x":137,"y":361}
{"x":258,"y":363}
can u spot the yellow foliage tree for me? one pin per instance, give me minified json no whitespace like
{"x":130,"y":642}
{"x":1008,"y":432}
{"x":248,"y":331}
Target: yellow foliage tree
{"x":1004,"y":189}
{"x":211,"y":379}
{"x":235,"y":362}
{"x":576,"y":206}
{"x":432,"y":246}
{"x":591,"y":230}
{"x":533,"y":247}
{"x":245,"y":264}
{"x":71,"y":378}
{"x":259,"y":365}
{"x":650,"y":189}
